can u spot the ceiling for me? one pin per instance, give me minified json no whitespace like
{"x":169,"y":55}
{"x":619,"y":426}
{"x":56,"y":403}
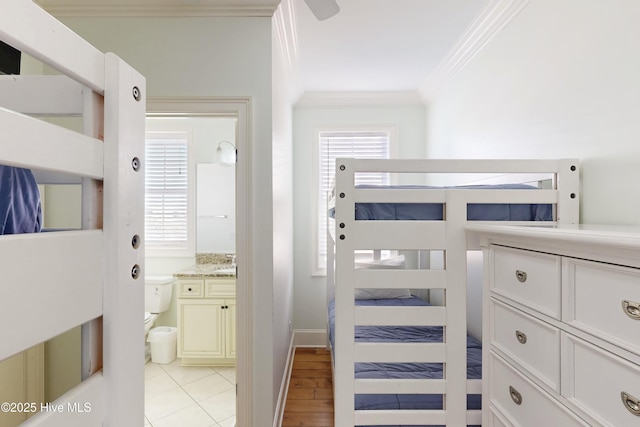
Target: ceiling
{"x":379,"y":45}
{"x":370,"y":45}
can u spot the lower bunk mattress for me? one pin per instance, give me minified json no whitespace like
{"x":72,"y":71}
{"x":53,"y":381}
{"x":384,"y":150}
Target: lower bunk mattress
{"x":415,"y":334}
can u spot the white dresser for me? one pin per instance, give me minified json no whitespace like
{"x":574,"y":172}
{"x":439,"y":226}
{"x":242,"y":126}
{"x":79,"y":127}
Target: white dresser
{"x":561,"y":329}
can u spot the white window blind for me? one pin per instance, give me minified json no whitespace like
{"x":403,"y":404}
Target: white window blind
{"x":346,"y":144}
{"x":166,"y":190}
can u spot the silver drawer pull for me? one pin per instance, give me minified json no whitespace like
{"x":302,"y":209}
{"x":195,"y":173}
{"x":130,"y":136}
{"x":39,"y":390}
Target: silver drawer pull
{"x":522,"y":337}
{"x":631,"y":309}
{"x":521,"y":276}
{"x":631,"y":403}
{"x":515,"y":396}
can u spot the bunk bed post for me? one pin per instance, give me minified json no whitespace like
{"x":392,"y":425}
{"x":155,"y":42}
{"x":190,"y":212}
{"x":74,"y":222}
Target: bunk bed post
{"x":568,"y":183}
{"x":455,"y":371}
{"x":331,"y":266}
{"x":486,"y":330}
{"x":92,"y":206}
{"x":123,"y":302}
{"x":344,"y":381}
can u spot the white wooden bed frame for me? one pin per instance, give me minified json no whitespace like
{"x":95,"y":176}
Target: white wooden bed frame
{"x":91,"y":277}
{"x":346,"y":235}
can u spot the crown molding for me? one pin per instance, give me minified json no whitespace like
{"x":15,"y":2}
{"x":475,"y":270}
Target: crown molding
{"x":284,"y":24}
{"x":348,"y":99}
{"x":284,"y":27}
{"x":160,"y":11}
{"x":495,"y":16}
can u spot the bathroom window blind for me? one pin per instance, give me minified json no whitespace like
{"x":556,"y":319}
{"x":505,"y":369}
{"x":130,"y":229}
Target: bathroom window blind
{"x":371,"y":144}
{"x":166,"y":190}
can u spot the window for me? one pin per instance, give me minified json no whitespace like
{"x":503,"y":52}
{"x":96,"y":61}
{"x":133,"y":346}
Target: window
{"x":167,"y":196}
{"x":366,"y":144}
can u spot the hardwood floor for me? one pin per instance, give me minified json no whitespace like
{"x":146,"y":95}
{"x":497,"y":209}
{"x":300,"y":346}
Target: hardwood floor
{"x":310,"y":395}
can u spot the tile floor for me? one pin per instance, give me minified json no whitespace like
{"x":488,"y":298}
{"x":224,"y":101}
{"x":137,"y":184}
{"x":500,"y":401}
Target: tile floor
{"x":189,"y":396}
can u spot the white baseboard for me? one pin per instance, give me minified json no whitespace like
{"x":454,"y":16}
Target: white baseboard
{"x":299,"y":338}
{"x":309,"y":338}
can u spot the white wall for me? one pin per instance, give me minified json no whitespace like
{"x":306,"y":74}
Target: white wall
{"x":282,"y":212}
{"x":206,"y":57}
{"x":561,"y":80}
{"x":62,"y":206}
{"x":310,"y":291}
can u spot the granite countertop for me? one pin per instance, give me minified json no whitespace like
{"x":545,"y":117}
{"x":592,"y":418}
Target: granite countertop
{"x":204,"y":270}
{"x":207,"y":265}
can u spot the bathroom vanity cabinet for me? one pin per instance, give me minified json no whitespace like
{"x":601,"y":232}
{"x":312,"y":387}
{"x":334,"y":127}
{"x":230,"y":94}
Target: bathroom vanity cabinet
{"x":207,"y":321}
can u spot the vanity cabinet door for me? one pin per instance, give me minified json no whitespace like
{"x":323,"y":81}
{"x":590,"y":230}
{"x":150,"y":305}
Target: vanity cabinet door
{"x":201,"y":323}
{"x":230,"y":329}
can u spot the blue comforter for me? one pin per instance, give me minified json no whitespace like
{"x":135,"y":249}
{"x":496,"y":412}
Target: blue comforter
{"x":405,"y":370}
{"x":435,"y":211}
{"x":20,"y":209}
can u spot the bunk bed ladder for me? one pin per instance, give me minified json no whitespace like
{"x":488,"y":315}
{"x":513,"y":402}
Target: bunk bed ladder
{"x":351,"y":235}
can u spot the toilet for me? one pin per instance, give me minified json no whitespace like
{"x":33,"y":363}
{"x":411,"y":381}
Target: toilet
{"x":157,"y":298}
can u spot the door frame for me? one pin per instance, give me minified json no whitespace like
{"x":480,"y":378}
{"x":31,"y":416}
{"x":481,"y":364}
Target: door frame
{"x":239,"y":107}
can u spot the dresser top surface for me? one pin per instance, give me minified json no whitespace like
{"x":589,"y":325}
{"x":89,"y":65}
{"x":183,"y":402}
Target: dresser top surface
{"x":624,"y":236}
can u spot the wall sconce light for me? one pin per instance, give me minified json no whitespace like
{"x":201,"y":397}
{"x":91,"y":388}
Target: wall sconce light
{"x":226,"y":157}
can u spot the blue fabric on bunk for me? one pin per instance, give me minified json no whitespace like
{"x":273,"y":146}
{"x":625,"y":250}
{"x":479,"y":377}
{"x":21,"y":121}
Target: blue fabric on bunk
{"x":434,"y":211}
{"x":405,"y":370}
{"x":20,"y":209}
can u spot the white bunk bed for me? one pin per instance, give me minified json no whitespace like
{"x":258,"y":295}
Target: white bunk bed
{"x":93,"y":276}
{"x":447,"y":235}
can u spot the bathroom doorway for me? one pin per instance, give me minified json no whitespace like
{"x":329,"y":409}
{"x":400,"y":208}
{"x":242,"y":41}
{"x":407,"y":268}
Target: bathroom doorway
{"x":220,"y":225}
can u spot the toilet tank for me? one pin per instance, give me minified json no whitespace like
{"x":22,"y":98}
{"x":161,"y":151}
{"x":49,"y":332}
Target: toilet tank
{"x":157,"y":293}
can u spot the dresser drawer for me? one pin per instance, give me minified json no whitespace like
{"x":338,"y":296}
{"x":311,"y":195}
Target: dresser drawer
{"x":528,"y":277}
{"x":191,"y":288}
{"x":520,"y":399}
{"x":522,"y":337}
{"x":595,"y":381}
{"x":603,"y":300}
{"x":496,"y":419}
{"x":220,"y":288}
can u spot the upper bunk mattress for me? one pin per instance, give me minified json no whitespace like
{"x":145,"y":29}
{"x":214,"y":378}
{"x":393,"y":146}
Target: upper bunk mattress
{"x":435,"y":211}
